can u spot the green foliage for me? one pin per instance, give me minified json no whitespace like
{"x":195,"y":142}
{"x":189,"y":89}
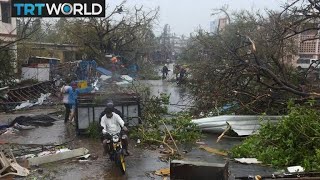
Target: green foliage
{"x":154,"y":108}
{"x":148,"y":71}
{"x":165,"y":98}
{"x":94,"y":130}
{"x":295,"y":140}
{"x":6,"y":70}
{"x":183,"y":130}
{"x":153,"y":130}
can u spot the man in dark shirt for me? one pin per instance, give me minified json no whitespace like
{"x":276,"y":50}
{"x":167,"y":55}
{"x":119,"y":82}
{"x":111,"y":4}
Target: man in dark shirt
{"x":165,"y":71}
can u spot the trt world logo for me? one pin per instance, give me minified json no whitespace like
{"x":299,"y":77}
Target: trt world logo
{"x":54,"y":8}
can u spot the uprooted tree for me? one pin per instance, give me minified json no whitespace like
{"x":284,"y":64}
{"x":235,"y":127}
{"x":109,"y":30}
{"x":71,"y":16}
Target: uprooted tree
{"x":294,"y":140}
{"x":248,"y":65}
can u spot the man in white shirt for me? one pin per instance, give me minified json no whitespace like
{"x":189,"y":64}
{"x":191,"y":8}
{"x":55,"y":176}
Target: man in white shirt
{"x":65,"y":94}
{"x":112,"y":124}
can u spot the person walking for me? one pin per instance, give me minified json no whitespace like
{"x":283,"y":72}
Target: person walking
{"x":65,"y":89}
{"x":165,"y":71}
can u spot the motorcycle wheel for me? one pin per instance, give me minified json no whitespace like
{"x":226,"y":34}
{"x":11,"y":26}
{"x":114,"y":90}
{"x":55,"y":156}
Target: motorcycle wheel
{"x":121,"y":163}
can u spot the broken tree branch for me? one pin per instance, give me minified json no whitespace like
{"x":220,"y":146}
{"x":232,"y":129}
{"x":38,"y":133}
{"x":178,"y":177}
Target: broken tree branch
{"x":224,"y":132}
{"x":171,"y":137}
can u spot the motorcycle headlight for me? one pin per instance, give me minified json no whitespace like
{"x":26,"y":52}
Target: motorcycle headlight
{"x":115,"y":138}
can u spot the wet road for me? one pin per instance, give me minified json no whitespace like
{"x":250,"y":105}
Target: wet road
{"x":179,"y":97}
{"x":140,"y":165}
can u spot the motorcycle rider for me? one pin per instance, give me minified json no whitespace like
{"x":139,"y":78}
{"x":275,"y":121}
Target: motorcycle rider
{"x":110,"y":105}
{"x":112,"y":124}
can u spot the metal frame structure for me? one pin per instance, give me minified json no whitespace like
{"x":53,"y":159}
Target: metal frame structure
{"x":122,"y":102}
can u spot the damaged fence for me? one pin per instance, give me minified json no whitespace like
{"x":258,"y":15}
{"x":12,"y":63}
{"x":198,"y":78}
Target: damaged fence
{"x":17,"y":96}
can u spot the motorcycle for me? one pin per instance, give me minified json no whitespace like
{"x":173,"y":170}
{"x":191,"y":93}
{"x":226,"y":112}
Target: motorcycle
{"x":117,"y":152}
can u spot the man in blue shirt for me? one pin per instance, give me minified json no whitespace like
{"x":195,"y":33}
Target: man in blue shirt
{"x":72,"y":93}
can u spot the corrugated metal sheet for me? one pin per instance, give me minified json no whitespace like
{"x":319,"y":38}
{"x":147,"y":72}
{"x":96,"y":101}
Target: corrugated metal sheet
{"x":242,"y":125}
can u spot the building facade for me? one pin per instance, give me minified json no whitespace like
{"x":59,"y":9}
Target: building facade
{"x":64,"y":52}
{"x":309,"y":48}
{"x":213,"y":26}
{"x":8,"y":29}
{"x":177,"y":44}
{"x":218,"y":24}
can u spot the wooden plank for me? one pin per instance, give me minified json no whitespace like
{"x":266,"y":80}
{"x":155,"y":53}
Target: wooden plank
{"x":57,"y":157}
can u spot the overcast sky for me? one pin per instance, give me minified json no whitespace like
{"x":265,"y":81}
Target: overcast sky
{"x":185,"y":16}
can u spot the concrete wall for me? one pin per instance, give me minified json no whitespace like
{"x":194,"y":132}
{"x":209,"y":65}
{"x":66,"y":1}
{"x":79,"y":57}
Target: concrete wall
{"x":63,"y":52}
{"x":189,"y":170}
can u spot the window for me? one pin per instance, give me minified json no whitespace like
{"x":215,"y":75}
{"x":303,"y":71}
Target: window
{"x":5,"y":12}
{"x":303,"y":61}
{"x":308,"y":47}
{"x":306,"y":56}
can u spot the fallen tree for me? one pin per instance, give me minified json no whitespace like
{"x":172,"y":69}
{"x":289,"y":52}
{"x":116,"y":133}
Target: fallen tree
{"x":249,"y":64}
{"x":171,"y":132}
{"x":295,"y":140}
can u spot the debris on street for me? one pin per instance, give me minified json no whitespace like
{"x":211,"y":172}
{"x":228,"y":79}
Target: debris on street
{"x":26,"y":123}
{"x":28,"y":104}
{"x":165,"y":151}
{"x":10,"y":131}
{"x":241,"y":125}
{"x":248,"y":160}
{"x":163,"y":172}
{"x":9,"y":166}
{"x":27,"y":156}
{"x":200,"y":143}
{"x":58,"y":156}
{"x":84,"y":157}
{"x":212,"y":150}
{"x":22,"y":127}
{"x":40,"y":120}
{"x":295,"y":169}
